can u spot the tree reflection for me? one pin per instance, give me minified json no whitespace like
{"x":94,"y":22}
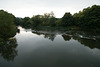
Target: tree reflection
{"x":8,"y":49}
{"x":90,"y":39}
{"x":18,"y":30}
{"x":66,"y":37}
{"x":50,"y":36}
{"x":91,"y":43}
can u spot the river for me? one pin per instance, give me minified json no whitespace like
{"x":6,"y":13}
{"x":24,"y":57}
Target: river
{"x":47,"y":48}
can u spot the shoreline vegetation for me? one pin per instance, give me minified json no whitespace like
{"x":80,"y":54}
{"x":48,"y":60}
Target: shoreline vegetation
{"x":7,"y":26}
{"x":87,"y":19}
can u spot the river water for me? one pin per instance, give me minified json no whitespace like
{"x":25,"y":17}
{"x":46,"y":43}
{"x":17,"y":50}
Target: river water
{"x":47,"y":48}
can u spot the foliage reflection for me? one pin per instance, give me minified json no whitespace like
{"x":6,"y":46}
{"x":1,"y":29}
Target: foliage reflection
{"x":8,"y":49}
{"x":90,"y":39}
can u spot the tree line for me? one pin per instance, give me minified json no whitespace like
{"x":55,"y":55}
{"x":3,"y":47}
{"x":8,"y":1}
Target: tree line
{"x":88,"y":18}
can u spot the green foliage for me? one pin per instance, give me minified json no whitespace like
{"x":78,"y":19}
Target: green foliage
{"x":25,"y":22}
{"x":89,"y":17}
{"x":1,"y":41}
{"x":17,"y":21}
{"x":52,"y":21}
{"x":67,"y":19}
{"x":7,"y":27}
{"x":8,"y":49}
{"x":36,"y":20}
{"x":76,"y":18}
{"x":58,"y":22}
{"x":47,"y":19}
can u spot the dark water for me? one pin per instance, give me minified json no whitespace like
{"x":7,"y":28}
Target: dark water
{"x":47,"y":48}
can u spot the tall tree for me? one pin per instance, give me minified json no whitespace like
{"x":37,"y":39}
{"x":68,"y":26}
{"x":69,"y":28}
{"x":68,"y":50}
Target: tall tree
{"x":7,"y":27}
{"x":52,"y":19}
{"x":36,"y":20}
{"x":67,"y":19}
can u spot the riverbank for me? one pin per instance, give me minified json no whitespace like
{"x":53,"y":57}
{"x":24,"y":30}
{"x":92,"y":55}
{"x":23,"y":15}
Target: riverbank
{"x":72,"y":28}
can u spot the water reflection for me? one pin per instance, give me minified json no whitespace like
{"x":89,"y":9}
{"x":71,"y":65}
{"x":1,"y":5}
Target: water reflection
{"x":66,"y":37}
{"x":91,"y":43}
{"x":90,"y":39}
{"x":55,"y":48}
{"x":8,"y":49}
{"x":50,"y":36}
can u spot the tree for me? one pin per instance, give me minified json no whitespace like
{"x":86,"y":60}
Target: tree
{"x":45,"y":19}
{"x":89,"y":17}
{"x":26,"y":22}
{"x":52,"y":19}
{"x":7,"y":27}
{"x":76,"y":18}
{"x":36,"y":20}
{"x":58,"y":22}
{"x":67,"y":19}
{"x":18,"y":21}
{"x":48,"y":19}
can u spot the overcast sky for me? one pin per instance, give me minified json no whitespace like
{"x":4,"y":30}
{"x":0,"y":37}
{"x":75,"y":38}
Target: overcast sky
{"x":23,"y":8}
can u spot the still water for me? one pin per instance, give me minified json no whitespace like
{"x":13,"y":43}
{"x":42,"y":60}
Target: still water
{"x":47,"y":48}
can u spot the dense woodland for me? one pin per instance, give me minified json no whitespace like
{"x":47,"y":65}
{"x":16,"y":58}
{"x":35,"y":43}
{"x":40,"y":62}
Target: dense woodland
{"x":88,"y":18}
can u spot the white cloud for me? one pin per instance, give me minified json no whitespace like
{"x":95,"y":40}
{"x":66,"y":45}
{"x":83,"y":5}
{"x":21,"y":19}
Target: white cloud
{"x":22,"y":8}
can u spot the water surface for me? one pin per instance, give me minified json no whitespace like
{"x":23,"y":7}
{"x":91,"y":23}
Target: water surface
{"x":47,"y":48}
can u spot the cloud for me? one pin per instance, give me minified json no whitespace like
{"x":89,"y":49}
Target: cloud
{"x":30,"y":7}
